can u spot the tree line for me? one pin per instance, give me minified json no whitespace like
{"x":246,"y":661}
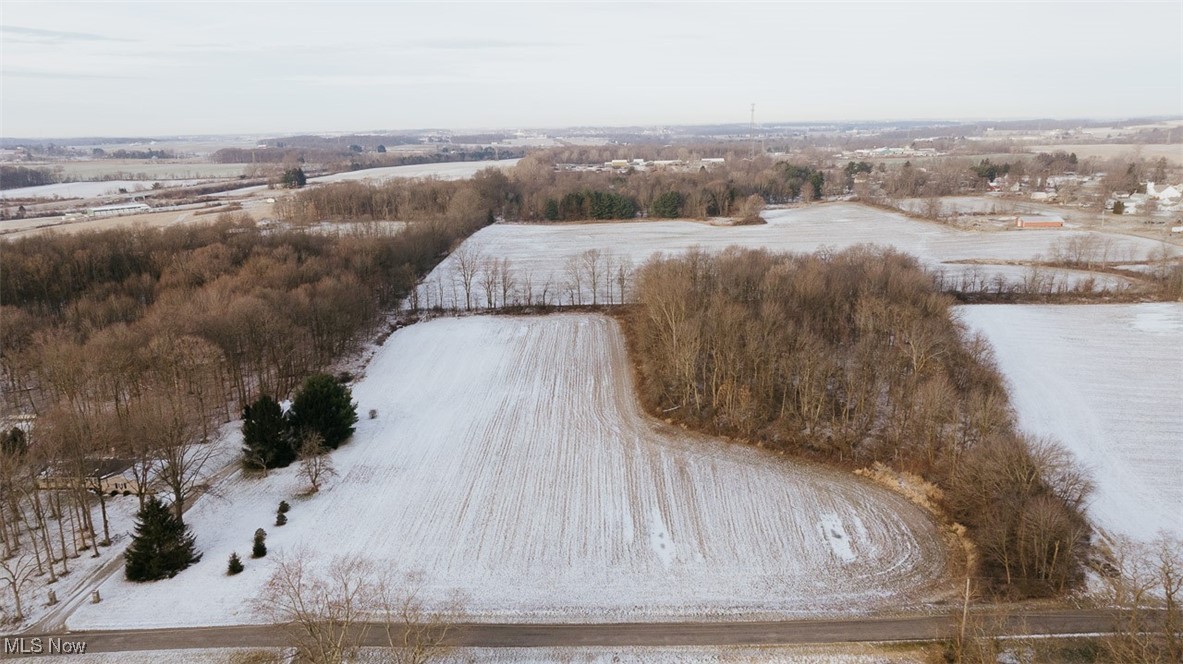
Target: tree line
{"x":14,"y":177}
{"x":854,"y":357}
{"x":535,"y":191}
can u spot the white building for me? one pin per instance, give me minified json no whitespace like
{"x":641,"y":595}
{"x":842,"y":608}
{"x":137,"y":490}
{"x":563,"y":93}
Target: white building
{"x":1168,"y":194}
{"x":118,"y":209}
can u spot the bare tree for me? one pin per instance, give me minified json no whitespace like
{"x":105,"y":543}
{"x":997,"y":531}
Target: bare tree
{"x":17,"y":573}
{"x":415,"y":635}
{"x":467,"y":262}
{"x":315,"y":464}
{"x":488,"y":280}
{"x":574,"y":284}
{"x":592,"y":265}
{"x":1146,"y":583}
{"x":505,"y":280}
{"x":328,"y":612}
{"x":324,"y":613}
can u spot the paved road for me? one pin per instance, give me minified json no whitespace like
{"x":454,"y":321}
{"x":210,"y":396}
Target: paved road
{"x":845,"y":630}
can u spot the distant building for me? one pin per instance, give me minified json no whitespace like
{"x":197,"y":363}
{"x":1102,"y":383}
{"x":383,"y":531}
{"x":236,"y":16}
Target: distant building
{"x":118,"y":209}
{"x":1027,"y":221}
{"x":107,"y":476}
{"x":1168,"y":193}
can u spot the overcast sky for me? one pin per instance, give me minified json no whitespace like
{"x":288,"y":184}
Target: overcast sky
{"x":163,"y":68}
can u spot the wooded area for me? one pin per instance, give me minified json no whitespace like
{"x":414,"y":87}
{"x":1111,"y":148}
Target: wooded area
{"x":135,"y":344}
{"x":854,"y":357}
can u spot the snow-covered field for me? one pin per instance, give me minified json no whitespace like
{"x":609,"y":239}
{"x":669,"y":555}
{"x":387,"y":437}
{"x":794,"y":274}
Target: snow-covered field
{"x":543,"y":251}
{"x":1107,"y":381}
{"x":454,"y":170}
{"x":981,"y":205}
{"x":90,"y":189}
{"x":511,"y":466}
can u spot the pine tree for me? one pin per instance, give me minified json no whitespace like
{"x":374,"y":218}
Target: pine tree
{"x":281,"y":519}
{"x":259,"y":548}
{"x":294,"y":178}
{"x":283,"y":507}
{"x":161,"y":546}
{"x":267,"y":440}
{"x":324,"y":406}
{"x":235,"y":565}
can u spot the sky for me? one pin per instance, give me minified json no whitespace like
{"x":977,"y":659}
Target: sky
{"x":186,"y":68}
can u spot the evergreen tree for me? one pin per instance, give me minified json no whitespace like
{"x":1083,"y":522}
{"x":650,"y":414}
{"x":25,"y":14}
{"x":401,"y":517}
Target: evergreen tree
{"x":266,"y":436}
{"x":259,"y":547}
{"x":281,"y":519}
{"x":294,"y":178}
{"x":324,"y":406}
{"x":235,"y":565}
{"x":284,"y":507}
{"x":668,"y":205}
{"x":161,"y":546}
{"x":552,"y":210}
{"x":14,"y":442}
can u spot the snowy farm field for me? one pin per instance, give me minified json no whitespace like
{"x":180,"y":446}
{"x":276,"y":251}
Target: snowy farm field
{"x":1107,"y":382}
{"x":510,"y":466}
{"x":545,"y":252}
{"x":91,"y":189}
{"x":454,"y":170}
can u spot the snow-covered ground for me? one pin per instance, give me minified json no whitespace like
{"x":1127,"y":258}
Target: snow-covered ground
{"x":544,"y":250}
{"x":1107,"y":382}
{"x":981,"y":205}
{"x":452,"y":170}
{"x":91,"y":189}
{"x":510,"y":466}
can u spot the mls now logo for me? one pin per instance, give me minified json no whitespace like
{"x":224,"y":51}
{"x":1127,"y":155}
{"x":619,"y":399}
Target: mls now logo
{"x":39,"y":646}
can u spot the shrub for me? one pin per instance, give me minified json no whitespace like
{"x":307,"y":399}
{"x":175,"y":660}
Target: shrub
{"x":259,"y":548}
{"x":284,"y":508}
{"x":234,"y":566}
{"x":281,"y":519}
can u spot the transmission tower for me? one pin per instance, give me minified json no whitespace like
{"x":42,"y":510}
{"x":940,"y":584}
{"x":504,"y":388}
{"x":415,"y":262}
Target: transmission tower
{"x":752,"y":134}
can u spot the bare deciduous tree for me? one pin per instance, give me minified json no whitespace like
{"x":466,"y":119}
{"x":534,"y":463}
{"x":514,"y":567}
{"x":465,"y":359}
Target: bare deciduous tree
{"x":467,"y":262}
{"x":331,"y":609}
{"x":17,"y":572}
{"x":1146,"y":583}
{"x":315,"y":464}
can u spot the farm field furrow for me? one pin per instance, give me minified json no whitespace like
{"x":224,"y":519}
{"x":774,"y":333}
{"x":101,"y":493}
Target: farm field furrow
{"x":543,"y":251}
{"x":1107,"y":382}
{"x":510,"y":465}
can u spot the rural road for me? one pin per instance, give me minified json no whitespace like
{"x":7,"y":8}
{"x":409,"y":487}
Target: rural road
{"x":842,"y":630}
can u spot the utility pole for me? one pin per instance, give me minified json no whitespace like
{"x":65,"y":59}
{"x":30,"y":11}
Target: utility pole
{"x":964,"y":616}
